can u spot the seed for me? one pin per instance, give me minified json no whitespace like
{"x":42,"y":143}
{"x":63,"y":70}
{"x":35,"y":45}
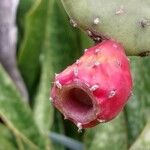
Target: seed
{"x":94,"y":87}
{"x":97,"y":50}
{"x":56,"y":75}
{"x":100,"y":120}
{"x":120,"y":10}
{"x":96,"y":21}
{"x":131,"y":93}
{"x":89,"y":33}
{"x":97,"y":39}
{"x":75,"y":71}
{"x":112,"y":93}
{"x":79,"y":125}
{"x":85,"y":50}
{"x":77,"y":62}
{"x":96,"y":64}
{"x":73,"y":23}
{"x":65,"y":117}
{"x":50,"y":99}
{"x":58,"y":84}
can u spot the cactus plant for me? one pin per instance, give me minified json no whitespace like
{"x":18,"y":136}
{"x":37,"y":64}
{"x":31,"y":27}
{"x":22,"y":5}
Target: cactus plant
{"x":96,"y":87}
{"x":128,"y":22}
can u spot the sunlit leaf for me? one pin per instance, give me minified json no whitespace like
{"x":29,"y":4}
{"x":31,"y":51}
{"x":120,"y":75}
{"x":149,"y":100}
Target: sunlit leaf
{"x":107,"y":136}
{"x":16,"y":114}
{"x":136,"y":107}
{"x":143,"y":141}
{"x":6,"y":139}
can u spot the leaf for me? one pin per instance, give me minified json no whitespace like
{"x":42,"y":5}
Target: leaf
{"x":65,"y":43}
{"x":145,"y":80}
{"x":136,"y":108}
{"x":143,"y":141}
{"x":6,"y":139}
{"x":23,"y":8}
{"x":43,"y":111}
{"x":30,"y":50}
{"x":16,"y":114}
{"x":107,"y":136}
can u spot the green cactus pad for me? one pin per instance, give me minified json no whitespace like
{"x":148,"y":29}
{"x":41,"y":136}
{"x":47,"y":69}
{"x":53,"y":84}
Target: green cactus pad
{"x":128,"y":22}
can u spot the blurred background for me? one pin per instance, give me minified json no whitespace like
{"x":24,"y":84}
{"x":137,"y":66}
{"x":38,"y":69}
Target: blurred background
{"x":37,"y":41}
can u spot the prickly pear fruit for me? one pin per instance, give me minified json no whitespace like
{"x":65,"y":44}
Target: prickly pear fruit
{"x":96,"y":87}
{"x":128,"y":22}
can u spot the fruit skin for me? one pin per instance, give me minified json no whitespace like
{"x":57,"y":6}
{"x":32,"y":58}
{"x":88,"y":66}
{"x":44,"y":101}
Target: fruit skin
{"x":96,"y":87}
{"x":119,"y":20}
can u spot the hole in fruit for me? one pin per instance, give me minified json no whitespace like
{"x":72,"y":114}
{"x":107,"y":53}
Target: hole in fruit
{"x":81,"y":98}
{"x":77,"y":105}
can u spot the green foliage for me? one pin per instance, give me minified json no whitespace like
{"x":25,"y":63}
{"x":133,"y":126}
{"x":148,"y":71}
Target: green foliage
{"x":23,"y":9}
{"x":143,"y":141}
{"x":31,"y":47}
{"x":108,"y":136}
{"x":16,"y":114}
{"x":47,"y":44}
{"x":6,"y":139}
{"x":136,"y":119}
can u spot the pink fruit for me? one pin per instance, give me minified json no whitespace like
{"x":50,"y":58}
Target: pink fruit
{"x":96,"y":87}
